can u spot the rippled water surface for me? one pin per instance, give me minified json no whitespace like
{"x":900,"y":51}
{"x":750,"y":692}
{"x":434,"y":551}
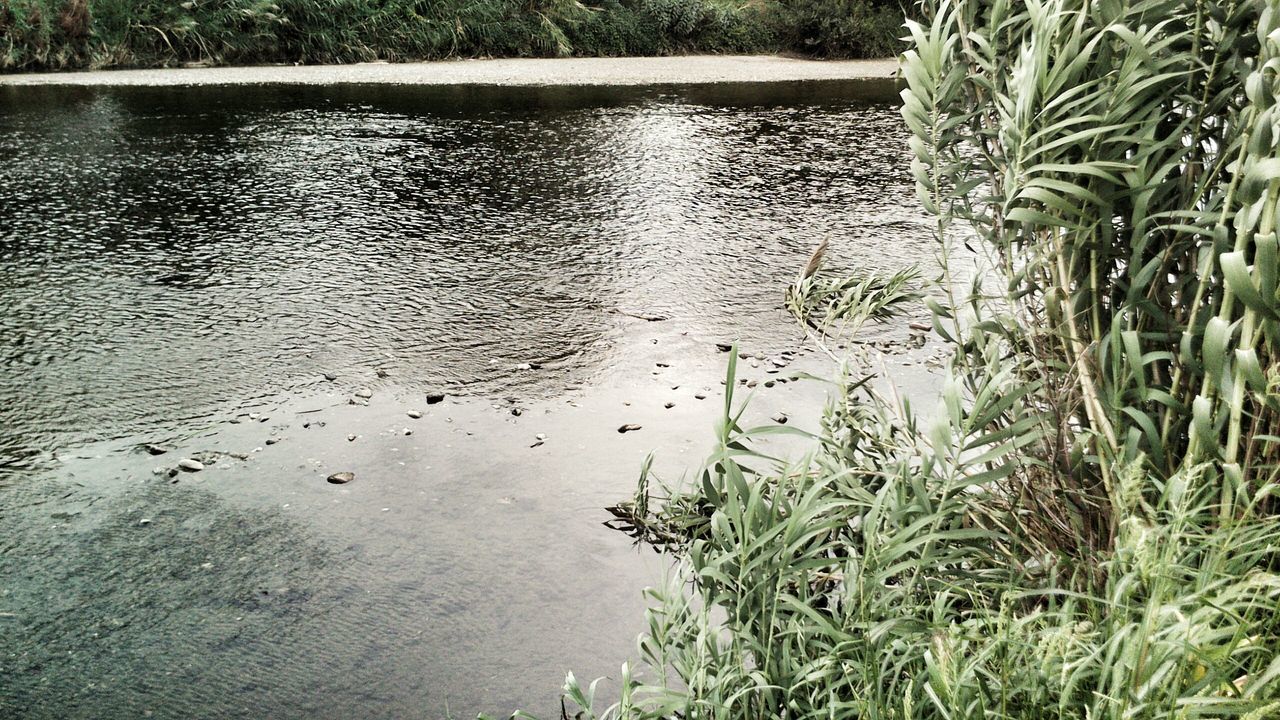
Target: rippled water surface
{"x":166,"y":252}
{"x":170,"y":259}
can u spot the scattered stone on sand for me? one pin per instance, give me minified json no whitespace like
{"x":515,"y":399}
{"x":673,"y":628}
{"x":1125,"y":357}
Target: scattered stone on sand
{"x":769,"y":383}
{"x":629,"y":427}
{"x":364,"y":393}
{"x":524,"y":366}
{"x":700,"y":396}
{"x":537,"y":444}
{"x":407,"y":431}
{"x":924,"y":327}
{"x":779,"y":363}
{"x":662,"y":365}
{"x":669,"y":405}
{"x":239,"y":455}
{"x":190,"y":465}
{"x":342,"y":478}
{"x":381,"y":373}
{"x":352,"y":438}
{"x":144,"y":522}
{"x":743,"y":356}
{"x":675,"y":387}
{"x":434,"y":397}
{"x":156,"y":449}
{"x":263,"y":418}
{"x":330,"y":377}
{"x":517,"y":411}
{"x":780,"y":418}
{"x":415,"y":414}
{"x":752,"y":383}
{"x":253,"y":416}
{"x":540,"y":436}
{"x":724,"y":347}
{"x":273,"y":440}
{"x":159,"y":470}
{"x":782,"y":380}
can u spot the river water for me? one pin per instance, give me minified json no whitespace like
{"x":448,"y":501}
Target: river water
{"x":210,"y":269}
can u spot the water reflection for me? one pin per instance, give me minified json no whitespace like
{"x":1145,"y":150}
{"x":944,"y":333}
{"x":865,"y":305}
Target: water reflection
{"x":166,"y":253}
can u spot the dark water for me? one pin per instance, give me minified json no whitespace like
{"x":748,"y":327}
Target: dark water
{"x":163,"y":253}
{"x":169,"y":258}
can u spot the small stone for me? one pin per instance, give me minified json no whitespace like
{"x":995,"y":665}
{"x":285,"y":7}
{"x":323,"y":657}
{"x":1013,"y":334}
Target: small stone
{"x":780,"y":418}
{"x":273,"y":440}
{"x":923,"y":327}
{"x":629,"y":427}
{"x":415,"y":414}
{"x":352,"y":438}
{"x":524,"y":366}
{"x":669,"y":405}
{"x":700,"y":396}
{"x":263,"y":418}
{"x":159,"y":470}
{"x":156,"y":449}
{"x":779,"y":363}
{"x":752,"y":383}
{"x":407,"y":431}
{"x":144,"y":522}
{"x":330,"y":377}
{"x":434,"y":397}
{"x":190,"y":465}
{"x":364,"y":393}
{"x":724,"y":347}
{"x":342,"y":478}
{"x":662,"y":365}
{"x":381,"y":373}
{"x":743,"y":356}
{"x":768,"y":383}
{"x":540,"y":436}
{"x":517,"y":411}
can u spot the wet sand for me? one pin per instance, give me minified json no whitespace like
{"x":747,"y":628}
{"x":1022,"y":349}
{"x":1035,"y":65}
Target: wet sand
{"x":678,"y":70}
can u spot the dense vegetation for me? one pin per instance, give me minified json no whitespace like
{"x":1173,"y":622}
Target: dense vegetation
{"x":54,"y":34}
{"x":1086,"y":527}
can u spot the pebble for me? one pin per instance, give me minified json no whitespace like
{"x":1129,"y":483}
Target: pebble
{"x":768,"y":383}
{"x":524,"y":366}
{"x":724,"y":347}
{"x":190,"y":465}
{"x":352,"y":438}
{"x":156,"y":449}
{"x":517,"y":412}
{"x":629,"y":427}
{"x":342,"y":478}
{"x":381,"y":373}
{"x":752,"y":383}
{"x":144,"y":522}
{"x":434,"y":397}
{"x":364,"y":393}
{"x":330,"y":377}
{"x":669,"y":405}
{"x":700,"y":396}
{"x":925,"y":327}
{"x":780,"y":418}
{"x":415,"y":414}
{"x":407,"y":431}
{"x":540,"y":436}
{"x":662,"y":365}
{"x":273,"y":440}
{"x":159,"y":470}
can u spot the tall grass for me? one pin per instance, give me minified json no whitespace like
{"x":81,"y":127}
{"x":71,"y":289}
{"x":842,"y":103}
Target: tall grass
{"x":56,"y":34}
{"x":1086,"y":526}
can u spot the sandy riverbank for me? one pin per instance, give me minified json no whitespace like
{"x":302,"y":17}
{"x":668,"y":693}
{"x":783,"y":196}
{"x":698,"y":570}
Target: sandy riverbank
{"x":680,"y":70}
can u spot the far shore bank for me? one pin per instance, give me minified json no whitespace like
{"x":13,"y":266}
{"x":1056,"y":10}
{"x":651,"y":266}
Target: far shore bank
{"x":521,"y":72}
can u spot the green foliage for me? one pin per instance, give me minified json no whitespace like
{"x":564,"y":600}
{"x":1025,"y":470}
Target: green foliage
{"x":1086,"y":527}
{"x":53,"y":34}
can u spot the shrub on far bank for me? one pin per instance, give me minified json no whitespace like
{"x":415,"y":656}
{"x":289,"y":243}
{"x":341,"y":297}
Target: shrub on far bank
{"x":64,"y":34}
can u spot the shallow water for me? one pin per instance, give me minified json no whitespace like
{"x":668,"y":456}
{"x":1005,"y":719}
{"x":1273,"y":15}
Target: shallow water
{"x":171,"y":258}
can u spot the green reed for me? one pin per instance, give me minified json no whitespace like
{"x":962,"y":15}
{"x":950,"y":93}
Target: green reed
{"x":1086,"y":525}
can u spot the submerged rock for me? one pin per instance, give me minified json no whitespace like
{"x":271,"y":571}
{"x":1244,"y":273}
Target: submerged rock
{"x":342,"y":478}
